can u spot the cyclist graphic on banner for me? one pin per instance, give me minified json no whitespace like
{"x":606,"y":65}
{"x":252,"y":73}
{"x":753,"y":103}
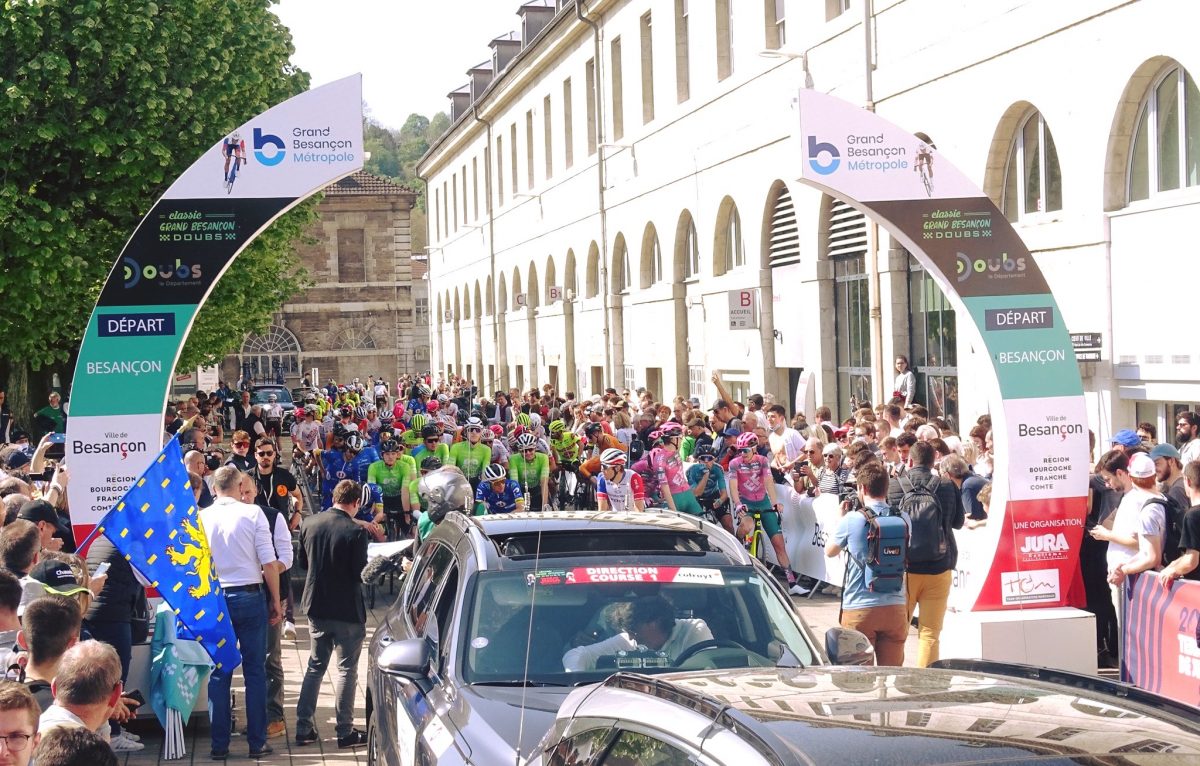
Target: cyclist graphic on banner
{"x":233,"y":148}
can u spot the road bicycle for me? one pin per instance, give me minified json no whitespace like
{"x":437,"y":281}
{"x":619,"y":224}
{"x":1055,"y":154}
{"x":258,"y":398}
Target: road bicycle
{"x":756,"y":540}
{"x":565,"y":483}
{"x":233,"y":173}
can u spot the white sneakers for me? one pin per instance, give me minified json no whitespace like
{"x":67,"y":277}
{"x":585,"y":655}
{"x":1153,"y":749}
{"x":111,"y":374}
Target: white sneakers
{"x":289,"y":631}
{"x":126,"y":742}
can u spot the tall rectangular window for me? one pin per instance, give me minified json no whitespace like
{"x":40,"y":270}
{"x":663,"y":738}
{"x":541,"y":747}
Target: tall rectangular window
{"x":835,"y":8}
{"x":454,"y":199}
{"x":618,"y":90}
{"x":464,"y":194}
{"x":351,"y":255}
{"x":475,"y":188}
{"x":548,"y":134}
{"x":568,"y":128}
{"x":724,"y":39}
{"x":437,"y":216}
{"x":682,"y":64}
{"x":499,"y":171}
{"x":776,"y":37}
{"x":647,"y":70}
{"x":445,"y":207}
{"x":589,"y":71}
{"x":696,"y":381}
{"x":529,"y":149}
{"x":512,"y":146}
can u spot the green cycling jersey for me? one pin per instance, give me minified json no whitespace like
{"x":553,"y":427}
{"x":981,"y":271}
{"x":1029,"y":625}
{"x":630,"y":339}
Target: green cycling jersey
{"x":472,"y":459}
{"x":529,"y":473}
{"x":392,"y":480}
{"x":567,"y":448}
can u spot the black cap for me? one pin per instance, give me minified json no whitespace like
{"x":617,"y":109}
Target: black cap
{"x":719,"y":404}
{"x":38,"y":510}
{"x":16,"y":461}
{"x":54,"y":574}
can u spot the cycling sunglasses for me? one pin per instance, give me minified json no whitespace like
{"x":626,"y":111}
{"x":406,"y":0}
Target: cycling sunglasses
{"x":527,"y":450}
{"x":706,"y":458}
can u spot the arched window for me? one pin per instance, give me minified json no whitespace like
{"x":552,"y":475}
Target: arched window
{"x":354,"y":338}
{"x":593,"y":272}
{"x":1166,"y":142}
{"x":272,"y":355}
{"x":687,"y":248}
{"x":784,"y":243}
{"x":1033,"y":180}
{"x":622,"y":279}
{"x":730,"y":250}
{"x":651,"y":272}
{"x":846,"y":246}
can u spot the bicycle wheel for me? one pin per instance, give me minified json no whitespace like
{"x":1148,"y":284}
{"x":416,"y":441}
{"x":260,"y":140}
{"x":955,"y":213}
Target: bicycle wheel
{"x":761,"y":545}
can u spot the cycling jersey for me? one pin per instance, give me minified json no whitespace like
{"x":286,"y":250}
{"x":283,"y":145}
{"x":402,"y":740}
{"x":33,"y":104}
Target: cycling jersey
{"x":306,"y":434}
{"x":529,"y":473}
{"x":420,"y":452}
{"x":752,"y":474}
{"x":504,"y":502}
{"x":416,"y":405}
{"x":622,"y":493}
{"x":669,"y":467}
{"x":566,"y":449}
{"x":336,"y":468}
{"x":470,"y":458}
{"x":358,"y":467}
{"x":391,"y":480}
{"x":716,"y":480}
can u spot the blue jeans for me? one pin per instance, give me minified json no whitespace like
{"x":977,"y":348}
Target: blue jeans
{"x":347,"y":638}
{"x":248,"y":614}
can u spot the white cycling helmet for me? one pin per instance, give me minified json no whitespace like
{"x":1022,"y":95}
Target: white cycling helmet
{"x":494,"y":472}
{"x":613,"y":457}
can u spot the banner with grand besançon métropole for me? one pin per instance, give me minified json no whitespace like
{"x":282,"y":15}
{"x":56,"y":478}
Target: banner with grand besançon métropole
{"x":1027,"y":554}
{"x":168,"y":268}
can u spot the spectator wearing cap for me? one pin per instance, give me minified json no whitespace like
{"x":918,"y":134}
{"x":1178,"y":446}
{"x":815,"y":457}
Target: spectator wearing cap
{"x":15,"y":462}
{"x":1136,"y":538}
{"x":1187,"y":434}
{"x":1126,"y":440}
{"x":722,"y":413}
{"x":45,"y":518}
{"x":727,"y":446}
{"x":65,"y":574}
{"x":1168,"y":469}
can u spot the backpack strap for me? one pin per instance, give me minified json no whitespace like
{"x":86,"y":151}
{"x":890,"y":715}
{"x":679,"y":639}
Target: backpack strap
{"x":906,"y":484}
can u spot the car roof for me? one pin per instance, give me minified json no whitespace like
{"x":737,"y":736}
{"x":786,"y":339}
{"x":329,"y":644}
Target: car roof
{"x":1005,"y":714}
{"x":509,"y":539}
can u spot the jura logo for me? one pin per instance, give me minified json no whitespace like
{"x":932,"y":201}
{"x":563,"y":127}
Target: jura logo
{"x":816,"y":149}
{"x":263,"y":140}
{"x":1048,"y":543}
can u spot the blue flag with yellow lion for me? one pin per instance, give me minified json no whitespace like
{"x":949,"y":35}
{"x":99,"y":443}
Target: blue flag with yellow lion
{"x":157,"y":527}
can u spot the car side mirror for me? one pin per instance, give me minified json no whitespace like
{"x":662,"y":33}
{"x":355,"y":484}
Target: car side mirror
{"x":848,"y":647}
{"x":409,"y":657}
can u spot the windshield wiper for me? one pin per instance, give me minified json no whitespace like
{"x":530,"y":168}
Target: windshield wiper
{"x":516,"y":682}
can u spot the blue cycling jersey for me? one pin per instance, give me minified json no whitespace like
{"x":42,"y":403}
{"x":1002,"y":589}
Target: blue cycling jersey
{"x":336,"y":468}
{"x":504,"y":502}
{"x":361,"y":462}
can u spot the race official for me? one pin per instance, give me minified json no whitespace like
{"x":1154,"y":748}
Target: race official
{"x":239,"y":539}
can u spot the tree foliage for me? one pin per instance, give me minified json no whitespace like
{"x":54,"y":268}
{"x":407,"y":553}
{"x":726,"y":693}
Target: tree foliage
{"x":103,"y":105}
{"x":395,"y":154}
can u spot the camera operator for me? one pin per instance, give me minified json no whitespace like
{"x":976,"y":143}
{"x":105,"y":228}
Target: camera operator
{"x":203,"y":466}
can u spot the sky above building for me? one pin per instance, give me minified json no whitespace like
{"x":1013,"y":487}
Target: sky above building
{"x":411,"y":52}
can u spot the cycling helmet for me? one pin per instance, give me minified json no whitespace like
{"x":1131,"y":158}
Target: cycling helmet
{"x":310,"y":397}
{"x":391,"y":445}
{"x":591,"y":429}
{"x":430,"y":431}
{"x":523,"y":419}
{"x":443,"y":491}
{"x":340,"y":432}
{"x":418,"y":422}
{"x":424,"y":390}
{"x":431,"y":463}
{"x":671,"y":428}
{"x":235,"y":137}
{"x":341,"y":389}
{"x":432,"y":406}
{"x":497,"y":430}
{"x":747,"y":441}
{"x":346,"y":412}
{"x":272,"y":398}
{"x":526,"y":441}
{"x":444,"y":398}
{"x":612,"y":457}
{"x":494,"y":472}
{"x":704,"y":450}
{"x":556,"y":427}
{"x":355,"y":442}
{"x":474,"y":424}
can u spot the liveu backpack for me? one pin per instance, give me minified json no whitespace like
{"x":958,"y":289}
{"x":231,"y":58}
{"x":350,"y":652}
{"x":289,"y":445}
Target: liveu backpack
{"x":887,"y":552}
{"x":928,"y":541}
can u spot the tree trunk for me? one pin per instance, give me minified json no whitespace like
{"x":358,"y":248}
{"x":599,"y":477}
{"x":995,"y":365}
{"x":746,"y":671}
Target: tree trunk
{"x":18,"y":393}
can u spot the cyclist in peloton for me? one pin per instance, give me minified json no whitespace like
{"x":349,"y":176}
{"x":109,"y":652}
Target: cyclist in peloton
{"x":531,"y":469}
{"x":668,"y":466}
{"x":335,"y":462}
{"x":471,"y":456}
{"x":707,"y":481}
{"x":395,"y":475}
{"x":497,"y":493}
{"x":752,"y":488}
{"x":619,"y":489}
{"x":362,"y":455}
{"x":234,"y":148}
{"x":597,"y":442}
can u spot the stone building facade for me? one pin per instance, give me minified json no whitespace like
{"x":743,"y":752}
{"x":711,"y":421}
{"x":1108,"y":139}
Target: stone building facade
{"x":367,"y":312}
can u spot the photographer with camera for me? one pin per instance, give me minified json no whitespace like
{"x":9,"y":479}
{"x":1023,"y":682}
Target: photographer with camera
{"x":202,"y":465}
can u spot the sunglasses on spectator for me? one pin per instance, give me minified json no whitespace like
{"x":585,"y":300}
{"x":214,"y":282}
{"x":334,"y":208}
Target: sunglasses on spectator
{"x":260,"y":453}
{"x":241,"y":444}
{"x":706,"y":459}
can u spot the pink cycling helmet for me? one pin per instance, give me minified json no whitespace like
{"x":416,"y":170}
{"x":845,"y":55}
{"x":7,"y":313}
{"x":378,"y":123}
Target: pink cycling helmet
{"x":747,"y":441}
{"x":497,"y":430}
{"x":671,"y":428}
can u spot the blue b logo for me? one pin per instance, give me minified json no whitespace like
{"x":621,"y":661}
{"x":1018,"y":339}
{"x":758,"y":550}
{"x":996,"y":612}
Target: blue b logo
{"x":815,"y":149}
{"x":266,"y":139}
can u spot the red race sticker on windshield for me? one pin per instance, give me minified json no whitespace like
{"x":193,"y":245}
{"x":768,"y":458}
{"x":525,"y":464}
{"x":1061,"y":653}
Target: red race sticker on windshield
{"x":620,"y":574}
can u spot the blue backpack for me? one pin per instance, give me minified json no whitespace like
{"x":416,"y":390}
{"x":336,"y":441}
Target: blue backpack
{"x":887,"y":552}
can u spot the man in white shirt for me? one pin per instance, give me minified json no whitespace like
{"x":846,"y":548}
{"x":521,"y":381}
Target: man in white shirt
{"x":1187,"y":429}
{"x":1136,"y":538}
{"x":787,"y":445}
{"x":243,"y":555}
{"x":651,"y":625}
{"x":87,"y":689}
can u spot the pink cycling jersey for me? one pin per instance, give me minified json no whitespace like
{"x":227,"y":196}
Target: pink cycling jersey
{"x":752,"y":475}
{"x":669,"y":467}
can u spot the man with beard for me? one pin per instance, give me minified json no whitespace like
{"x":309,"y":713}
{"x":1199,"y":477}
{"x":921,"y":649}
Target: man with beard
{"x":1187,"y":431}
{"x":1168,"y":469}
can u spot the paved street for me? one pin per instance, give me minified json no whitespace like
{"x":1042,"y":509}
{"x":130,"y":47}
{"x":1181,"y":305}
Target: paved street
{"x":821,"y":612}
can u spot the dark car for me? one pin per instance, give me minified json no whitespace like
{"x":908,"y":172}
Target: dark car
{"x":965,"y":713}
{"x":261,"y":395}
{"x":501,"y":616}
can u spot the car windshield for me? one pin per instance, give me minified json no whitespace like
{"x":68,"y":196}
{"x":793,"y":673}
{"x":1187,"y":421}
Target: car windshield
{"x":580,"y":624}
{"x":260,"y":395}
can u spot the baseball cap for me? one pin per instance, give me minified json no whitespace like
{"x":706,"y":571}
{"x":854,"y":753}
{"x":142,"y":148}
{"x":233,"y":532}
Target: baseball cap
{"x":16,"y":460}
{"x":57,"y":578}
{"x":694,"y":401}
{"x":1126,"y":438}
{"x":38,"y":510}
{"x":732,"y":432}
{"x":1141,"y":466}
{"x":1164,"y":450}
{"x":718,"y":404}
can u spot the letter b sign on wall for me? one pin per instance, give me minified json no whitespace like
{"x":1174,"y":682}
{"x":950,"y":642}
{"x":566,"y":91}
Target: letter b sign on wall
{"x":743,"y":309}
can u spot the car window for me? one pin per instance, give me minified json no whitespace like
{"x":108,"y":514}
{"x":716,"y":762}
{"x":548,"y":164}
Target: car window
{"x":425,"y":587}
{"x":578,"y":749}
{"x":443,"y":612}
{"x":636,"y":749}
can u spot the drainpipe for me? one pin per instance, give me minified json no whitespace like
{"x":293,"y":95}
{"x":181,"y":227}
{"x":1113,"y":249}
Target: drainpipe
{"x":601,"y":182}
{"x":875,"y":289}
{"x":491,"y":221}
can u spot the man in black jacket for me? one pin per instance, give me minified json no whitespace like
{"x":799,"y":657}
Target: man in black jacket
{"x":932,"y":552}
{"x":334,"y":550}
